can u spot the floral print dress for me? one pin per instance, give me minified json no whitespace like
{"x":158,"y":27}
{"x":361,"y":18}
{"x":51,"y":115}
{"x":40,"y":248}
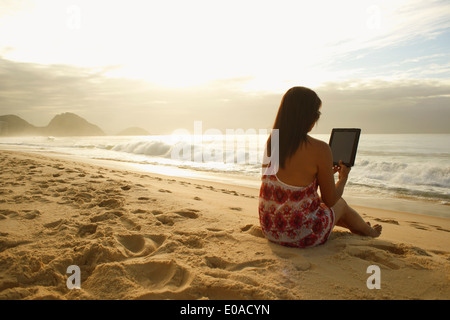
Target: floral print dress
{"x":293,"y":216}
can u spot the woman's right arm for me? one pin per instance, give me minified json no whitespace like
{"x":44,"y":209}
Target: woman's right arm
{"x":343,"y":176}
{"x":330,"y":192}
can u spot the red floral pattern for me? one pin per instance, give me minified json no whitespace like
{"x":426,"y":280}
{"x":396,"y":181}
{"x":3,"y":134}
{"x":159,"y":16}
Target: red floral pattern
{"x":293,"y":216}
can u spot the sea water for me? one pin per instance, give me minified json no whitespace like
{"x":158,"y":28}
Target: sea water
{"x":402,"y":166}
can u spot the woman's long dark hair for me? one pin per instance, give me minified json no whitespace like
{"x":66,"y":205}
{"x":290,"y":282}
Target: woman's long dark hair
{"x":298,"y":111}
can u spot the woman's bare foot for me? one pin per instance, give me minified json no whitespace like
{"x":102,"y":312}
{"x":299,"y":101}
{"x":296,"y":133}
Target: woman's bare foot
{"x":374,"y":231}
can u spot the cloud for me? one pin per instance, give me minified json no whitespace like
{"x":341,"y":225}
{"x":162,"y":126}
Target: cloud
{"x":194,"y":41}
{"x":38,"y":92}
{"x":376,"y":106}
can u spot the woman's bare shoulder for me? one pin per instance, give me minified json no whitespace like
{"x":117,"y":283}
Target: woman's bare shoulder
{"x":319,"y":145}
{"x":321,"y":151}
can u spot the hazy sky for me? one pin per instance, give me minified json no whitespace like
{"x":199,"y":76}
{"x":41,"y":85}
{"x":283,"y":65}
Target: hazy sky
{"x":383,"y":66}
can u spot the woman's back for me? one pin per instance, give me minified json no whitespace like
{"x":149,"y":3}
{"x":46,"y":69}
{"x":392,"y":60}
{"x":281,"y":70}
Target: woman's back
{"x":301,"y":169}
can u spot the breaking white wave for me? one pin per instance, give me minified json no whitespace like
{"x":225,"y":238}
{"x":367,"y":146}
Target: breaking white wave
{"x":406,"y":165}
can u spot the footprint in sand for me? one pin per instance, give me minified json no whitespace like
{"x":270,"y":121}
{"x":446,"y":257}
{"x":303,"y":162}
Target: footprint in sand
{"x":139,"y":245}
{"x":146,"y":199}
{"x":253,"y":230}
{"x":83,"y":197}
{"x":8,"y":213}
{"x":31,"y":214}
{"x":165,"y":219}
{"x":391,"y":221}
{"x":158,"y":279}
{"x":7,"y":244}
{"x":59,"y":166}
{"x":299,"y":262}
{"x":214,"y":229}
{"x":5,"y":192}
{"x":232,"y":192}
{"x":169,"y":219}
{"x":418,"y":225}
{"x":388,"y":254}
{"x":20,"y":199}
{"x":160,"y":275}
{"x":87,"y":229}
{"x":188,"y":213}
{"x":61,"y":189}
{"x":130,"y":224}
{"x":373,"y":256}
{"x":63,"y":224}
{"x":217,"y":262}
{"x":111,"y":203}
{"x":106,"y":216}
{"x":55,"y":224}
{"x":439,"y":228}
{"x":139,"y":211}
{"x":193,"y":240}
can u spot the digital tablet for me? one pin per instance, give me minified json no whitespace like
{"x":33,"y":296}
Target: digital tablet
{"x":343,"y":144}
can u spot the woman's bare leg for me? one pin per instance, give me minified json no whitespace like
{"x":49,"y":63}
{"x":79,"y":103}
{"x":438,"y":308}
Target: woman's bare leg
{"x":348,"y":218}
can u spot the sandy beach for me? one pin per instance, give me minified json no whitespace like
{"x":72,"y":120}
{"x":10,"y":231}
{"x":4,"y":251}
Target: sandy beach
{"x":138,"y":235}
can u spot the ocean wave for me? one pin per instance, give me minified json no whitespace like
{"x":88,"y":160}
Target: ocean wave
{"x":150,"y":148}
{"x":390,"y":190}
{"x":208,"y":152}
{"x":400,"y":173}
{"x":212,"y":156}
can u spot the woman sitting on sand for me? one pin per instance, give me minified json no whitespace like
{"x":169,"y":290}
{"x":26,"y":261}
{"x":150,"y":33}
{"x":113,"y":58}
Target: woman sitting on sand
{"x":291,"y":212}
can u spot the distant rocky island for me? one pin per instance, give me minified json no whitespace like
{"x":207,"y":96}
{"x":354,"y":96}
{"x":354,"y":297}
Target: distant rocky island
{"x":65,"y":124}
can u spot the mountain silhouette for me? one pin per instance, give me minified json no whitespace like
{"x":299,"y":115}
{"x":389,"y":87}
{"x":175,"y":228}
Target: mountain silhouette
{"x":69,"y":124}
{"x":65,"y":124}
{"x":11,"y":125}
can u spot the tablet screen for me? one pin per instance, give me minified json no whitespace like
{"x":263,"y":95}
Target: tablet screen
{"x":343,"y":144}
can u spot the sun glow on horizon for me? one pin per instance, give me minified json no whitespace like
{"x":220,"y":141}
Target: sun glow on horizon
{"x":188,"y":43}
